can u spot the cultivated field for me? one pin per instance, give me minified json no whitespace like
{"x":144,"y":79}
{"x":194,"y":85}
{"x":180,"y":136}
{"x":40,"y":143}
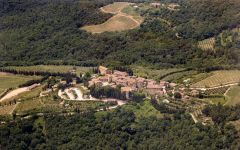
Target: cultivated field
{"x":116,"y":23}
{"x":215,"y":100}
{"x":28,"y":105}
{"x":11,"y":81}
{"x":119,"y":22}
{"x":220,"y":90}
{"x":207,"y":44}
{"x":115,"y":7}
{"x":51,"y":68}
{"x":145,"y":109}
{"x":224,"y":38}
{"x":219,"y":78}
{"x":6,"y":110}
{"x":146,"y":72}
{"x":233,"y":96}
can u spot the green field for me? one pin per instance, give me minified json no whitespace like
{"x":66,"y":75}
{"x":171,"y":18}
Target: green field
{"x":51,"y":68}
{"x":218,"y":78}
{"x":146,"y":72}
{"x":13,"y":81}
{"x":233,"y":96}
{"x":215,"y":100}
{"x":145,"y":109}
{"x":28,"y":105}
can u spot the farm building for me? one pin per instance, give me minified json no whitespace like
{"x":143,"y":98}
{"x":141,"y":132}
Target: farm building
{"x":156,"y":5}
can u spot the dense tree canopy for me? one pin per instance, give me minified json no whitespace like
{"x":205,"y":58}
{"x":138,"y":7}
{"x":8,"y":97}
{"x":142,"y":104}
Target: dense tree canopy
{"x":114,"y":130}
{"x":47,"y":32}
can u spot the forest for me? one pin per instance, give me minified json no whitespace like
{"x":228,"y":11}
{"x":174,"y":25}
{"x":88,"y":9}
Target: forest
{"x":31,"y":36}
{"x":118,"y":129}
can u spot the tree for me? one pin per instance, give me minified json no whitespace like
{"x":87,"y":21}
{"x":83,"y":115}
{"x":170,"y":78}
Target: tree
{"x":177,"y":95}
{"x":138,"y":97}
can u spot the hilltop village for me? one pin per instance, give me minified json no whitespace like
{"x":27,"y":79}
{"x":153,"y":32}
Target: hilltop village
{"x":150,"y":87}
{"x":130,"y":84}
{"x":174,"y":97}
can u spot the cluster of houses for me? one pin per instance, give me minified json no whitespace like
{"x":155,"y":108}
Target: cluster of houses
{"x":171,"y":6}
{"x":128,"y":83}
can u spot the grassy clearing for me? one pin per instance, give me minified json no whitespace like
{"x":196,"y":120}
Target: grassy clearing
{"x":51,"y":68}
{"x":13,"y":81}
{"x":207,"y":44}
{"x":144,"y":109}
{"x":219,"y":78}
{"x":233,"y":96}
{"x":130,"y":11}
{"x":152,"y":73}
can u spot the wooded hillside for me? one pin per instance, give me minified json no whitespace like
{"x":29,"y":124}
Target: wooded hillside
{"x":48,"y":32}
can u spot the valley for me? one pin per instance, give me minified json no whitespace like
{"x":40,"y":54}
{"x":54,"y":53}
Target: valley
{"x":97,"y":74}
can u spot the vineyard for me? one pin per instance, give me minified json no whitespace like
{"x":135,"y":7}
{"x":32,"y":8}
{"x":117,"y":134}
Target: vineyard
{"x":220,"y":90}
{"x":146,"y":72}
{"x":219,"y":78}
{"x":207,"y":44}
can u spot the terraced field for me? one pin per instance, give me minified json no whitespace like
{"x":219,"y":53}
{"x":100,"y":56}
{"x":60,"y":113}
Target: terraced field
{"x":119,"y":22}
{"x":207,"y":44}
{"x":220,"y":90}
{"x":51,"y":68}
{"x":223,"y":39}
{"x":219,"y":78}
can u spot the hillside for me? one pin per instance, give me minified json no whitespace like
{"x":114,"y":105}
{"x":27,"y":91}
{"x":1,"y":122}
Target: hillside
{"x":31,"y":36}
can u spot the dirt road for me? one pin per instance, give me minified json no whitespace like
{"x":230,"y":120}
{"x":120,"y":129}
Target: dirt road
{"x":81,"y":98}
{"x":18,"y":91}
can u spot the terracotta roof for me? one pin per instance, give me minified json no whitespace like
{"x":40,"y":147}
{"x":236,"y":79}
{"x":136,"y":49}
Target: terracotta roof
{"x":126,"y":89}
